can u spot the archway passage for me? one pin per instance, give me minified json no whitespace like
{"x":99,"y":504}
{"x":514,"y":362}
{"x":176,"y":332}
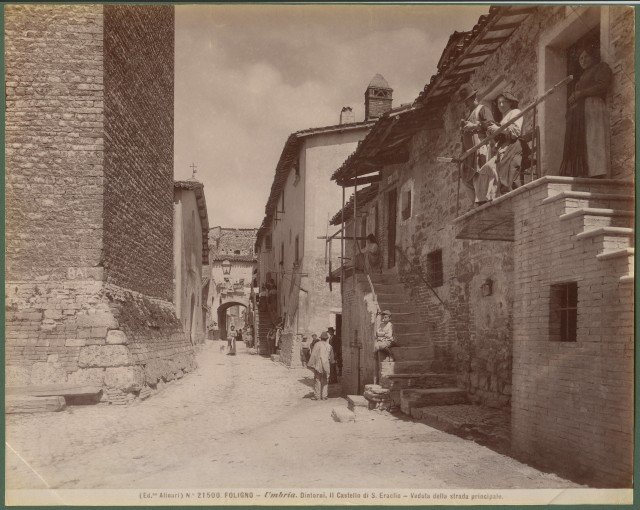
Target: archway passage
{"x":230,"y":313}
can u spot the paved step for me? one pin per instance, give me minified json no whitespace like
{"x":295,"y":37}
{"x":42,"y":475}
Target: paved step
{"x":33,"y":404}
{"x":357,"y":403}
{"x":418,"y":380}
{"x":412,"y":353}
{"x":51,"y":390}
{"x":399,"y":308}
{"x":593,"y":217}
{"x":422,"y":366}
{"x":412,"y":398}
{"x":389,"y":287}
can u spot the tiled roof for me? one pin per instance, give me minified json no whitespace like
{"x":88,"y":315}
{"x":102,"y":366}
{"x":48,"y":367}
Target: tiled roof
{"x":387,"y":142}
{"x":288,"y":156}
{"x":363,"y":197}
{"x":198,"y":188}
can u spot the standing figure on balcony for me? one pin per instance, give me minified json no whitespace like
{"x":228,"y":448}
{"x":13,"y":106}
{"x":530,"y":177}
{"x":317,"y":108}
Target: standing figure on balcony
{"x":586,"y":139}
{"x":498,"y":174}
{"x":473,"y":131}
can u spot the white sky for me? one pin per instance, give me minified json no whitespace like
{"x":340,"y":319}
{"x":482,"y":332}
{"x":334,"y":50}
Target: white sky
{"x":247,"y":76}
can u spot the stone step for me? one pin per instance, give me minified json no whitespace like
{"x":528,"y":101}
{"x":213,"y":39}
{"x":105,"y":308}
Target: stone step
{"x":593,"y":217}
{"x":410,"y":367}
{"x":50,"y":390}
{"x":418,"y":380}
{"x":622,"y":260}
{"x":574,"y":199}
{"x":411,"y":327}
{"x":399,"y":308}
{"x":411,"y":339}
{"x":613,"y":254}
{"x":590,"y":185}
{"x":412,"y":398}
{"x":32,"y":404}
{"x":384,"y":278}
{"x":412,"y":353}
{"x":610,"y":237}
{"x":388,"y":287}
{"x":627,"y":278}
{"x":357,"y":402}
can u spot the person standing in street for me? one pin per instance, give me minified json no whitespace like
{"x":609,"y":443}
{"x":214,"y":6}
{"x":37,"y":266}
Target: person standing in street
{"x":336,"y":365}
{"x":320,"y":362}
{"x":231,"y":341}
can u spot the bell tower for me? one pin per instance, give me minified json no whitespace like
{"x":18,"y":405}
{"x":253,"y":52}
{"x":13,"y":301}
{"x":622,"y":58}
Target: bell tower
{"x":377,"y":98}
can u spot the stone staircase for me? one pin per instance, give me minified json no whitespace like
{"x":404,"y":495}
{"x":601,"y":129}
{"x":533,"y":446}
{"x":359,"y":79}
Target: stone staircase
{"x":602,"y":217}
{"x":416,"y":376}
{"x":264,"y":325}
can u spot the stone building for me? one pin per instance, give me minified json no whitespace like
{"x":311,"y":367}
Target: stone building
{"x":526,"y":301}
{"x":232,"y":274}
{"x":89,"y":185}
{"x":190,"y":255}
{"x":302,"y":197}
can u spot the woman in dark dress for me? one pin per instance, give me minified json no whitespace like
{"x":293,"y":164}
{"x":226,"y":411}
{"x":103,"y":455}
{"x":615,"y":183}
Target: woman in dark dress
{"x":586,"y":142}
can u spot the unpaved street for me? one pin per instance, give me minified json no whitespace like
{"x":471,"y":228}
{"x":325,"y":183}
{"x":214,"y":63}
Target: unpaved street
{"x":243,"y":421}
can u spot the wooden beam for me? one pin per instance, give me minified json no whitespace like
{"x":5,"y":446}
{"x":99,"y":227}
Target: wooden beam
{"x":360,"y":180}
{"x":492,"y":40}
{"x":479,"y":54}
{"x":515,"y":11}
{"x":470,"y":66}
{"x":506,"y":26}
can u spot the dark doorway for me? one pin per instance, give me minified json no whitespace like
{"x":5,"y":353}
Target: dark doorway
{"x":392,"y":207}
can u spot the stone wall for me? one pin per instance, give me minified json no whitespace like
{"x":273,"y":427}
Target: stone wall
{"x":290,"y":346}
{"x":138,"y":158}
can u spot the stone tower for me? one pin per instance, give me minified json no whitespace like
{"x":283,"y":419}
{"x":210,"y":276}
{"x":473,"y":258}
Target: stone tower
{"x":377,"y":98}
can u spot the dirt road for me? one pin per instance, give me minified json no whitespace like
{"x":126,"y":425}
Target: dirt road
{"x":243,"y":421}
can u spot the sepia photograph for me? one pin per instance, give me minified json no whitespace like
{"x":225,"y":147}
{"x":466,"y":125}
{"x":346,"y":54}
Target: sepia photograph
{"x":319,"y":254}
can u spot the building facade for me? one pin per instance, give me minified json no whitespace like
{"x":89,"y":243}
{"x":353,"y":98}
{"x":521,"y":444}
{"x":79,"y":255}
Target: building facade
{"x":480,"y":297}
{"x":230,"y":299}
{"x":190,"y":255}
{"x":89,"y":184}
{"x":291,"y":250}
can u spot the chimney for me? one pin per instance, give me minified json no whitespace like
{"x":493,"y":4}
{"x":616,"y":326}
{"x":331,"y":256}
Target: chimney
{"x":347,"y":116}
{"x":377,"y":98}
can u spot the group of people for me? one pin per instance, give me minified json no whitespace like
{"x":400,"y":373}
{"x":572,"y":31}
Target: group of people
{"x":493,"y":169}
{"x":324,"y":358}
{"x":268,"y":296}
{"x":238,"y":335}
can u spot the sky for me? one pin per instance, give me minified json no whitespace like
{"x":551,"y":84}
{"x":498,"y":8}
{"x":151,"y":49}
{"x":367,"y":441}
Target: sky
{"x":247,"y":76}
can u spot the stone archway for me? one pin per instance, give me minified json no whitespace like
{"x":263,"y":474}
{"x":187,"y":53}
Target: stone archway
{"x":222,"y":316}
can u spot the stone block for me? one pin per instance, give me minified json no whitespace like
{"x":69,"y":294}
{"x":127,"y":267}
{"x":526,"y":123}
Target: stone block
{"x":342,"y":415}
{"x":117,"y":337}
{"x":17,"y":375}
{"x":126,"y":379}
{"x":29,"y":404}
{"x":98,"y":332}
{"x":97,"y":320}
{"x":47,"y":373}
{"x":87,"y":376}
{"x":53,"y":314}
{"x":104,"y":356}
{"x":75,"y":342}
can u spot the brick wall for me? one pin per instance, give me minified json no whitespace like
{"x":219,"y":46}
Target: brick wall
{"x":72,"y":206}
{"x":54,"y":140}
{"x":138,"y":161}
{"x":572,"y":409}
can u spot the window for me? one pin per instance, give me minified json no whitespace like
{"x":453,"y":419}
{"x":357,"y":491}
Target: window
{"x":297,"y":250}
{"x":296,"y":169}
{"x":434,"y":268}
{"x":267,"y":242}
{"x":563,"y":312}
{"x":406,"y":204}
{"x":236,"y":252}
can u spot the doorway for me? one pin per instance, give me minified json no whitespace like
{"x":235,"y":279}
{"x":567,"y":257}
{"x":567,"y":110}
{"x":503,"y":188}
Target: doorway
{"x":392,"y":208}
